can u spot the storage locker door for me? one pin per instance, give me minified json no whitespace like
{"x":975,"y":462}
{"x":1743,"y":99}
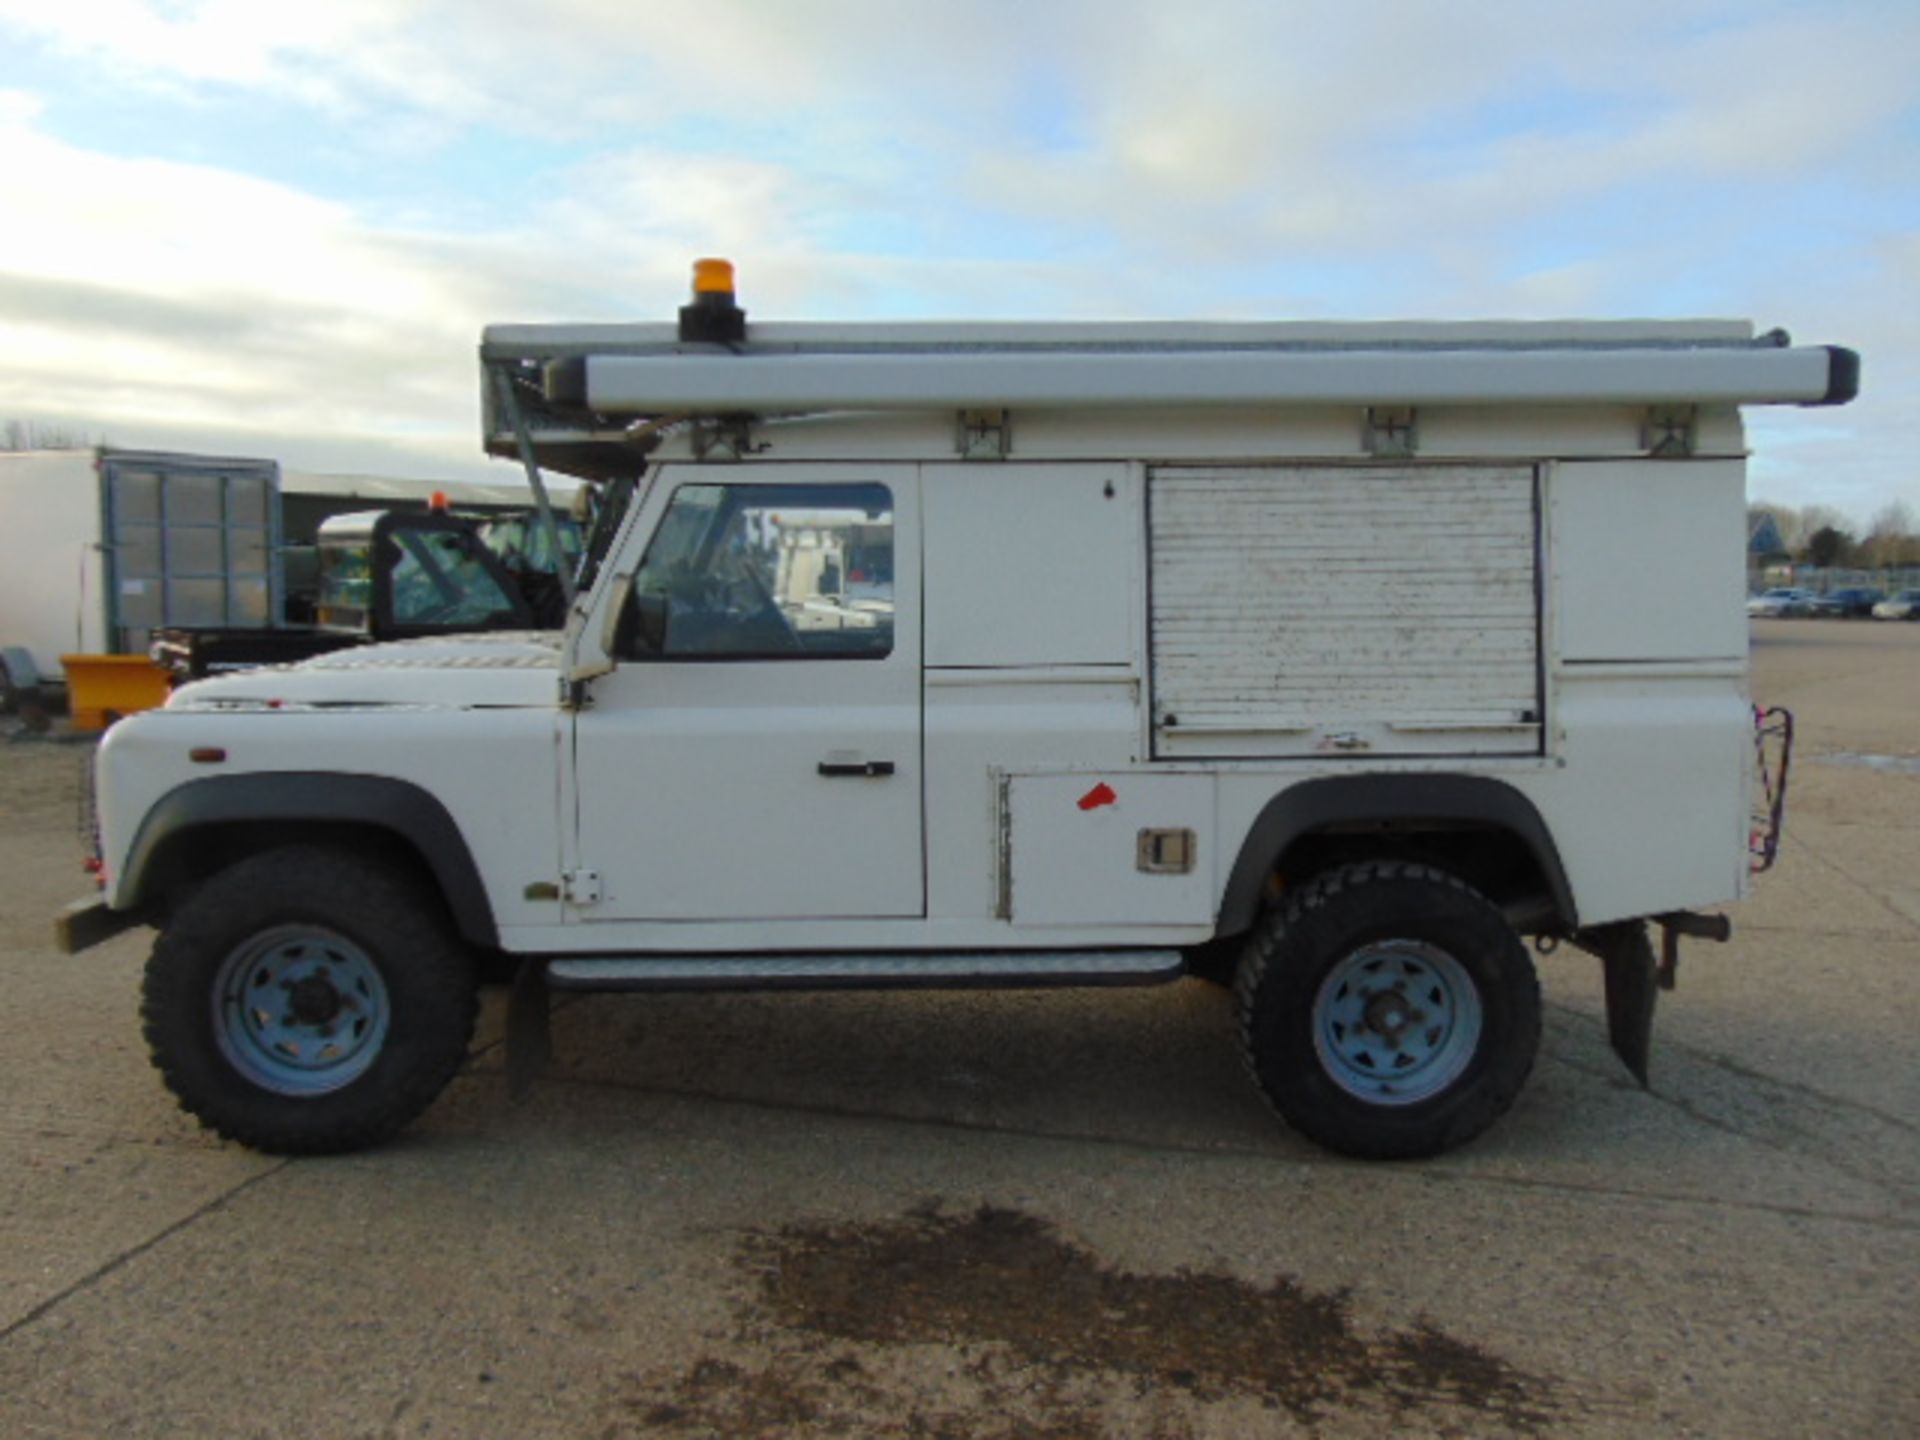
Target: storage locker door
{"x":1345,"y":610}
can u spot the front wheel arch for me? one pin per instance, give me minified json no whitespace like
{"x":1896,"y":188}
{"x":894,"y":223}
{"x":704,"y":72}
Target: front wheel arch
{"x":197,"y":828}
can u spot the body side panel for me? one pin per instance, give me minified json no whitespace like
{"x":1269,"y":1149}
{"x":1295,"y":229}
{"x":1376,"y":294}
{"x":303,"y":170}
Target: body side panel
{"x":492,"y":773}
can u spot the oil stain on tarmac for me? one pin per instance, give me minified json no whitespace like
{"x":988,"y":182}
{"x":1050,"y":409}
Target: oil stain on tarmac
{"x":989,"y":1324}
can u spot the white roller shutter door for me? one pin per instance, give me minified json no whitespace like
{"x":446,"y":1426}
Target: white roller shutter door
{"x":1376,"y":610}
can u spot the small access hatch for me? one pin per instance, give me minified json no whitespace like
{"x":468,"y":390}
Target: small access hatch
{"x":1115,"y":849}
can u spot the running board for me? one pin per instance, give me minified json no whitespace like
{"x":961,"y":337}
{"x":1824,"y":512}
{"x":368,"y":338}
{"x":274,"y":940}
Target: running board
{"x":992,"y":971}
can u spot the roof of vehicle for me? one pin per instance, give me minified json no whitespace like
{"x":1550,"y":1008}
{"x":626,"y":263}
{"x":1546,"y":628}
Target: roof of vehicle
{"x":589,"y":396}
{"x":768,"y":337}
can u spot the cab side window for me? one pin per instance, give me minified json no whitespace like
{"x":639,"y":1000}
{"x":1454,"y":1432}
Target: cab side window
{"x":765,"y":572}
{"x":438,"y":580}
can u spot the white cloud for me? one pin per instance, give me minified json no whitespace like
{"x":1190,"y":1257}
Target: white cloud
{"x":147,"y":293}
{"x":864,"y":157}
{"x":19,"y":108}
{"x":241,"y":42}
{"x":1413,"y":123}
{"x":569,"y":68}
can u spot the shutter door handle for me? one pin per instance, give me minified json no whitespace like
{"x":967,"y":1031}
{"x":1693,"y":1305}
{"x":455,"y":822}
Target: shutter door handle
{"x":863,"y":768}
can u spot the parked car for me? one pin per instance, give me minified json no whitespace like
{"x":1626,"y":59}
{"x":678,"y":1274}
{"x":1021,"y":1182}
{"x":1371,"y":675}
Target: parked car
{"x":1781,"y":601}
{"x":1845,"y":604}
{"x":1904,"y":605}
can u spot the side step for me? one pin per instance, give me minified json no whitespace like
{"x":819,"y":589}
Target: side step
{"x":942,"y":971}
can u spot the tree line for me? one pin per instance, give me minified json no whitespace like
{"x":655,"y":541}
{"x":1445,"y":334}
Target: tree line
{"x":18,"y":435}
{"x":1820,"y":535}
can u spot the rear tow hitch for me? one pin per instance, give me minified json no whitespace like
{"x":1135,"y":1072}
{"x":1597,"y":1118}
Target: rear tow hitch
{"x":1634,"y":979}
{"x":1674,"y":924}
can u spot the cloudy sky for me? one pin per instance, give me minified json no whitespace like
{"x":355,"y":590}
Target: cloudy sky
{"x":277,"y":226}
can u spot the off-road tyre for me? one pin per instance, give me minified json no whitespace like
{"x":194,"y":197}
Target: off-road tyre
{"x":1333,"y":928}
{"x":379,"y":930}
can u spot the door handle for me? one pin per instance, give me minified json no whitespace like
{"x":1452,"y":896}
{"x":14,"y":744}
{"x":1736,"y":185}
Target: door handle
{"x":874,"y":768}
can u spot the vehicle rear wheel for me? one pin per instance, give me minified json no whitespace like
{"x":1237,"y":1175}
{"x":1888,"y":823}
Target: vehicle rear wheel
{"x":307,"y":1001}
{"x":1388,"y":1011}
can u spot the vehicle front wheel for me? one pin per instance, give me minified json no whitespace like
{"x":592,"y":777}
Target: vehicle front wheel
{"x":307,"y":1001}
{"x":1388,"y":1011}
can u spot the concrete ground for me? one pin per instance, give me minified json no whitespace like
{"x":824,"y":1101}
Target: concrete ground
{"x":1023,"y":1215}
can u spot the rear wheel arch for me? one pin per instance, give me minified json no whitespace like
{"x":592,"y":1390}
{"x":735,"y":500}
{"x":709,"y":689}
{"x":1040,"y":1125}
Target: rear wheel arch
{"x":1410,"y":816}
{"x":198,"y":828}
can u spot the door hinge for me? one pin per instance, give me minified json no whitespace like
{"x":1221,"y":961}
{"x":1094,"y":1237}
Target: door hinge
{"x":581,"y":887}
{"x":1392,"y":432}
{"x":1670,"y":431}
{"x":983,"y":434}
{"x":724,"y":438}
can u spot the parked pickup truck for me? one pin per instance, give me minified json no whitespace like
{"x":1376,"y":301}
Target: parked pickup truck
{"x":1292,"y":656}
{"x":394,"y":575}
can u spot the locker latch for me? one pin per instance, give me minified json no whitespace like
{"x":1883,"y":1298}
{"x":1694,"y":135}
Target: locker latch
{"x":1165,"y":852}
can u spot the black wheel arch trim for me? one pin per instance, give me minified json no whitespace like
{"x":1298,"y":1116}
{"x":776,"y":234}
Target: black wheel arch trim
{"x":1315,"y":804}
{"x":378,"y":801}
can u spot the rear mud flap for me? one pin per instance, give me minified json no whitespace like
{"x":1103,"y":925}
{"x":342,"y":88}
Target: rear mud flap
{"x":1632,"y":982}
{"x":1635,"y":979}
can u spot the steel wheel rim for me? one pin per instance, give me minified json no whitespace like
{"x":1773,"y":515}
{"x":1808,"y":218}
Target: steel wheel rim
{"x":300,"y":1010}
{"x":1396,"y":1022}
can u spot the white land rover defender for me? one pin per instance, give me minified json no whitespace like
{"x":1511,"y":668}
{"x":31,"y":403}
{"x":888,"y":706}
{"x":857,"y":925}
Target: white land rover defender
{"x":1331,"y":661}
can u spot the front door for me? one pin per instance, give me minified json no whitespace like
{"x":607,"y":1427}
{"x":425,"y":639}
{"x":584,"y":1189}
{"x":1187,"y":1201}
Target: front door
{"x":754,"y":753}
